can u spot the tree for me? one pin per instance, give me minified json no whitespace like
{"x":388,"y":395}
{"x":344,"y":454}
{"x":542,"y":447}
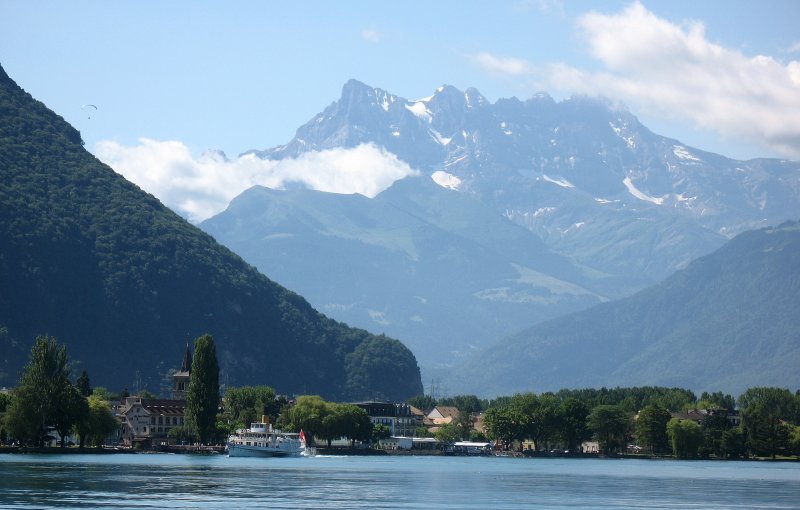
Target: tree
{"x":463,"y":424}
{"x":716,"y":400}
{"x":37,"y":398}
{"x":610,"y":424}
{"x":733,"y":443}
{"x":794,"y":440}
{"x":105,"y":394}
{"x":542,"y":419}
{"x":651,"y":429}
{"x":714,"y":425}
{"x":504,"y":424}
{"x":571,"y":423}
{"x":359,"y":424}
{"x":345,"y":420}
{"x":420,"y":431}
{"x":100,"y":423}
{"x":248,"y":404}
{"x":380,"y":432}
{"x":686,"y":436}
{"x":447,"y":433}
{"x":5,"y":401}
{"x":763,"y":412}
{"x":202,"y":401}
{"x":70,"y":410}
{"x":82,"y":383}
{"x":306,"y":414}
{"x":464,"y":403}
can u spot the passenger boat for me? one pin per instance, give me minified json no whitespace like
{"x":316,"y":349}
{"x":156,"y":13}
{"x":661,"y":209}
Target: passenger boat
{"x":260,"y":440}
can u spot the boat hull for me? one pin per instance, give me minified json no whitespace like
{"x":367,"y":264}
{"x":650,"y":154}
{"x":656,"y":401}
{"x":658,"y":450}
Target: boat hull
{"x":238,"y":450}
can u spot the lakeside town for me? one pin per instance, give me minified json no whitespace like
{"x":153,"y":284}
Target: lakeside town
{"x":651,"y":421}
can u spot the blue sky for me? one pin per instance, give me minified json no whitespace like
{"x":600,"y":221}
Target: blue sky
{"x":722,"y":76}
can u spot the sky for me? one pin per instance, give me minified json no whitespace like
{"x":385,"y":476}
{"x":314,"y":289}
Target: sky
{"x":174,"y":80}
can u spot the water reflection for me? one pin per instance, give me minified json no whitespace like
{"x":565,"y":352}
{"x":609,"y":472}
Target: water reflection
{"x":190,"y":482}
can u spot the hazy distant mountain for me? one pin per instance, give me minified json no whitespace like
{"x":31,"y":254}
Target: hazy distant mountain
{"x":432,"y":266}
{"x":727,"y":322}
{"x":124,"y":282}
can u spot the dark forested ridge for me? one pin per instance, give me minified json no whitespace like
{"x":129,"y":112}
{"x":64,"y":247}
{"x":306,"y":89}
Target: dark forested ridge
{"x":727,"y":322}
{"x":91,"y":259}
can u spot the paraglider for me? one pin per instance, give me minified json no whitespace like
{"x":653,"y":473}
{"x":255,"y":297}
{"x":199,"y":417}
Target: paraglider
{"x":89,"y":108}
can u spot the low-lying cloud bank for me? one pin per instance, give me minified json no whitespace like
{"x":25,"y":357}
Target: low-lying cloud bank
{"x":198,"y":187}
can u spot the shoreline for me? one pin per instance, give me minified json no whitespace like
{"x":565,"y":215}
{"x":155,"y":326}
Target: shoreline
{"x":354,"y":452}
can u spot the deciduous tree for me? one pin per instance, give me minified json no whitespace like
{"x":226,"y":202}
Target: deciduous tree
{"x":610,"y":424}
{"x":571,"y":423}
{"x":686,"y":436}
{"x":36,"y":400}
{"x":764,"y":410}
{"x":651,"y":429}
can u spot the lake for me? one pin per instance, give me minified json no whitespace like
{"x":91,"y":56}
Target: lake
{"x":219,"y":482}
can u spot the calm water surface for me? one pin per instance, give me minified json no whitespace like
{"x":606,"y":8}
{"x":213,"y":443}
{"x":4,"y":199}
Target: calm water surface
{"x":218,"y":482}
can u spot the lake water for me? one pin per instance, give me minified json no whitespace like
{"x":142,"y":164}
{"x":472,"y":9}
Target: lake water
{"x":219,"y":482}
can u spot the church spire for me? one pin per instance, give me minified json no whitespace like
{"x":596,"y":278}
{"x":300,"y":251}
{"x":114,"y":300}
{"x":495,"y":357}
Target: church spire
{"x":180,"y":379}
{"x":186,"y":366}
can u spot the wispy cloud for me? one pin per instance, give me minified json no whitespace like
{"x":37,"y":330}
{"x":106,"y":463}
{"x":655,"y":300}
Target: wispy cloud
{"x":674,"y":71}
{"x":198,"y":187}
{"x":370,"y":35}
{"x":794,"y":48}
{"x":503,"y":65}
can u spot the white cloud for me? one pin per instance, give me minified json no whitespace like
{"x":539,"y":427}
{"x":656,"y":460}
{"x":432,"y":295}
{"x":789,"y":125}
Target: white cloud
{"x":199,"y":187}
{"x":503,"y":65}
{"x":370,"y":35}
{"x":674,"y":71}
{"x":794,"y":48}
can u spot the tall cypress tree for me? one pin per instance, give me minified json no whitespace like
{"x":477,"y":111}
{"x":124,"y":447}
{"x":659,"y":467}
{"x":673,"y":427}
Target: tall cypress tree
{"x":202,"y":401}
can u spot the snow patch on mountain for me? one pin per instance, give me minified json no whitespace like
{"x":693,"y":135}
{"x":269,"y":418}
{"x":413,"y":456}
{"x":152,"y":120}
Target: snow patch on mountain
{"x":682,"y":153}
{"x":443,"y":140}
{"x":633,"y":190}
{"x":630,"y":141}
{"x":456,"y":160}
{"x":420,"y":110}
{"x":446,"y":180}
{"x":560,"y":181}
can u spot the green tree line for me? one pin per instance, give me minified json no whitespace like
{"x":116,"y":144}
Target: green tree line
{"x":46,"y":398}
{"x":768,"y":426}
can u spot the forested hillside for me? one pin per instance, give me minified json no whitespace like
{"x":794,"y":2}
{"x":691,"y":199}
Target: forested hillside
{"x":91,"y":259}
{"x":727,"y":322}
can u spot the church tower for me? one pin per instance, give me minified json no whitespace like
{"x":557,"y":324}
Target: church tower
{"x":180,"y":379}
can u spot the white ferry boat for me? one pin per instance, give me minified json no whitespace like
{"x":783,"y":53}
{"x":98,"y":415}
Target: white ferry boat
{"x":260,"y":440}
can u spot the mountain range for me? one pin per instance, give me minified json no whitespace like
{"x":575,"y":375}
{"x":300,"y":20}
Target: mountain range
{"x":523,"y":211}
{"x":726,"y":322}
{"x":124,"y":283}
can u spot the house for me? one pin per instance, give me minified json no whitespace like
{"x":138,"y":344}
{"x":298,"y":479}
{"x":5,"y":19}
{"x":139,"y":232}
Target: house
{"x":399,"y":418}
{"x":147,"y":422}
{"x":441,"y":415}
{"x":698,"y":415}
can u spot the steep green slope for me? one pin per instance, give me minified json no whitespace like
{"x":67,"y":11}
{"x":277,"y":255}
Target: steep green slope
{"x":90,"y":258}
{"x":727,"y":322}
{"x":432,"y":266}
